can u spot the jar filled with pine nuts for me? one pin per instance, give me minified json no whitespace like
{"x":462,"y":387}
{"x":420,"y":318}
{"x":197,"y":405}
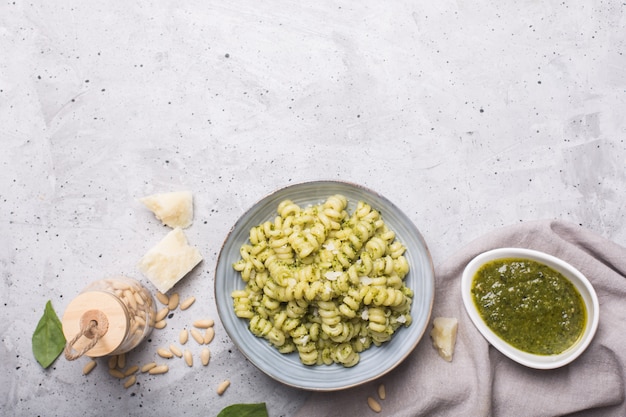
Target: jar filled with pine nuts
{"x":109,"y":317}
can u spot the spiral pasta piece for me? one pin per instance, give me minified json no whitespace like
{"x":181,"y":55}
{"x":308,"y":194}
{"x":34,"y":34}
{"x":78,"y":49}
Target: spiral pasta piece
{"x":322,"y":282}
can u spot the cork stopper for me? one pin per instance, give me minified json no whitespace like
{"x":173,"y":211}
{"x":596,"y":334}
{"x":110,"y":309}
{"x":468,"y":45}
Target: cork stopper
{"x":111,"y":319}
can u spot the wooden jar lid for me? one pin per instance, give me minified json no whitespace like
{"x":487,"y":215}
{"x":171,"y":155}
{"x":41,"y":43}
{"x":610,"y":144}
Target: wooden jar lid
{"x":107,"y":310}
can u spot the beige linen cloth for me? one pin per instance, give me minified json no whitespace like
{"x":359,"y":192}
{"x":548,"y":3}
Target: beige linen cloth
{"x":480,"y":381}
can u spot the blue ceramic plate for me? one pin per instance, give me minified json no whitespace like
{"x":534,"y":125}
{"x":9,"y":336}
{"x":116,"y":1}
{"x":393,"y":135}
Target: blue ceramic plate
{"x":375,"y":361}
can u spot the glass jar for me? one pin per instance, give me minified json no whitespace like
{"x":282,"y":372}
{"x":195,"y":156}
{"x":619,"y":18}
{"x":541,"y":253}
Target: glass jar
{"x":118,"y":311}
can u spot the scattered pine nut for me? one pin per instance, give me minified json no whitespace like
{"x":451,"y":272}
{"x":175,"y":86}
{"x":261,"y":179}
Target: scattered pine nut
{"x":374,"y":405}
{"x":131,"y":370}
{"x":161,"y":314}
{"x":113,"y":362}
{"x":160,"y":324}
{"x":130,"y":381}
{"x":148,"y":366}
{"x":183,"y":336}
{"x":222,"y":387}
{"x":188,"y":357}
{"x":187,"y":303}
{"x":163,"y":299}
{"x":176,"y":351}
{"x":173,"y":302}
{"x":121,"y":360}
{"x":164,"y":353}
{"x":209,"y":335}
{"x":205,"y":356}
{"x":116,"y":373}
{"x":160,"y":369}
{"x":89,"y":366}
{"x":204,"y":324}
{"x":382,"y":394}
{"x":197,"y":336}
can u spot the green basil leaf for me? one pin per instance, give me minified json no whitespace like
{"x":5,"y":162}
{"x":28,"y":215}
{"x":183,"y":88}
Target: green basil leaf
{"x":244,"y":410}
{"x":48,"y":339}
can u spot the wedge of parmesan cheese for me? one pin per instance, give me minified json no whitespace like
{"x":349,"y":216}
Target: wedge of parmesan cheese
{"x":444,"y":336}
{"x":173,"y":209}
{"x":169,"y":260}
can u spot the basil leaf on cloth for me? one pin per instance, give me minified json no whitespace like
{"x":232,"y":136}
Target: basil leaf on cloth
{"x":244,"y":410}
{"x":48,"y":339}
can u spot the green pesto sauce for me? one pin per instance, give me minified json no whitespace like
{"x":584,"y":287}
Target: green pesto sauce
{"x":529,"y":305}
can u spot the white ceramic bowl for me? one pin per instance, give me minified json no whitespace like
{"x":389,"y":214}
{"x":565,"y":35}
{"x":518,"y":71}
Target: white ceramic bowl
{"x":578,"y":279}
{"x":376,"y":361}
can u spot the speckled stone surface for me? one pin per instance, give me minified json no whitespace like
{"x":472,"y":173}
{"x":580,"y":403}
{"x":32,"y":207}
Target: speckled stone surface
{"x":468,"y":116}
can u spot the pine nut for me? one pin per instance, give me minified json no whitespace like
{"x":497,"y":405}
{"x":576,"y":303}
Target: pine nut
{"x":204,"y":324}
{"x":222,"y":387}
{"x":183,"y":336}
{"x":163,"y":299}
{"x":118,"y":285}
{"x":174,"y":349}
{"x":129,"y":296}
{"x":130,"y":382}
{"x":173,"y":303}
{"x":138,"y":299}
{"x":209,"y":335}
{"x":113,"y":362}
{"x":89,"y":366}
{"x":116,"y":373}
{"x":131,"y":370}
{"x":140,"y":321}
{"x":160,"y":369}
{"x":205,"y":356}
{"x":382,"y":394}
{"x":134,"y":328}
{"x":188,"y":357}
{"x":121,"y":360}
{"x":148,"y":366}
{"x":374,"y":405}
{"x":161,"y":314}
{"x":164,"y":353}
{"x":160,"y":324}
{"x":187,"y":303}
{"x":197,"y":336}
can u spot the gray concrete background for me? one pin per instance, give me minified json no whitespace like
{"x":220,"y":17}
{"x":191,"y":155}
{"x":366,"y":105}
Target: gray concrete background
{"x":468,"y":116}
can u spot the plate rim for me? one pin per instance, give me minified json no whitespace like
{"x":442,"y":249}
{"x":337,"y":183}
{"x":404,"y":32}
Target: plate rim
{"x":411,"y":228}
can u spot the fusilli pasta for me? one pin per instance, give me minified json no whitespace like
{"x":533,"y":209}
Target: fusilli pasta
{"x":322,"y":282}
